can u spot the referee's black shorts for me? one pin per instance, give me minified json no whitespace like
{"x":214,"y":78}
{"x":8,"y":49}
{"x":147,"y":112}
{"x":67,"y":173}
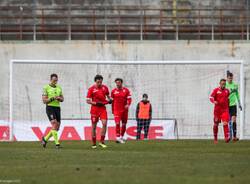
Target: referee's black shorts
{"x":53,"y":113}
{"x":233,"y":110}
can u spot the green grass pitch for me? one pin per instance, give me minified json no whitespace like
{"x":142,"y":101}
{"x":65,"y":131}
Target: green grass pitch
{"x":185,"y":161}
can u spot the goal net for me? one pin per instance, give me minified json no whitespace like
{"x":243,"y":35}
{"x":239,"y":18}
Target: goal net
{"x":178,"y":91}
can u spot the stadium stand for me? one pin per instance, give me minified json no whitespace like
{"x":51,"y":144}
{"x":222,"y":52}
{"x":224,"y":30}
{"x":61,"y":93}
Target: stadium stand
{"x":124,"y":20}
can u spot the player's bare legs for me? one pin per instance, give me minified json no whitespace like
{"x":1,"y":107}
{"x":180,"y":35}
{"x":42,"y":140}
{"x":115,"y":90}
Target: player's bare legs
{"x":94,"y":121}
{"x":123,"y":130}
{"x":117,"y":127}
{"x":104,"y":129}
{"x":103,"y":133}
{"x":215,"y":130}
{"x":93,"y":132}
{"x":118,"y":131}
{"x":226,"y":131}
{"x":225,"y":128}
{"x":124,"y":124}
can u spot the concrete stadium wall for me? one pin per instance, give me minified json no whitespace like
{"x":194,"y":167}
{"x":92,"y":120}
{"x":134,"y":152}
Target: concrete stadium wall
{"x":129,"y":50}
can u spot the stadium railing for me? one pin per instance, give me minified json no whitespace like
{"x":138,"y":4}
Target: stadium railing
{"x":68,"y":22}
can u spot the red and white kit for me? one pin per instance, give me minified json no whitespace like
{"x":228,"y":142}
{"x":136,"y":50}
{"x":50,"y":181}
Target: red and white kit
{"x":121,"y":102}
{"x":98,"y":94}
{"x":221,"y":108}
{"x":220,"y":97}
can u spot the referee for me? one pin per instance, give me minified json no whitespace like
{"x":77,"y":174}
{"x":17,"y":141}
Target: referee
{"x":52,"y":96}
{"x":143,"y":116}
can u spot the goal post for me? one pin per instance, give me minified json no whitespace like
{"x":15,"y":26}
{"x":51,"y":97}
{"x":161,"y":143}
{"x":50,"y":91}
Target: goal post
{"x":162,"y":66}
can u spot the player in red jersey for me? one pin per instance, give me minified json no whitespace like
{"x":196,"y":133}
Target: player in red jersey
{"x":98,"y":97}
{"x":220,"y":98}
{"x":121,"y":101}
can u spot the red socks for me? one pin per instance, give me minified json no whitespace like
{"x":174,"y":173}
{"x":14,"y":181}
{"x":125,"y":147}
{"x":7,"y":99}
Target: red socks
{"x":102,"y":138}
{"x":226,"y":132}
{"x":123,"y":129}
{"x":215,"y":128}
{"x":117,"y":129}
{"x":94,"y":140}
{"x":120,"y":131}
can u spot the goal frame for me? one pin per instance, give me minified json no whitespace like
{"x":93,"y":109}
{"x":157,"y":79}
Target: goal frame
{"x":115,"y":62}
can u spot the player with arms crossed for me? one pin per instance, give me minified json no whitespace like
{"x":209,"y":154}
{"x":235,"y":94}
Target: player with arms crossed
{"x":52,"y":96}
{"x":121,"y":101}
{"x":97,"y":97}
{"x":219,"y":97}
{"x":233,"y":100}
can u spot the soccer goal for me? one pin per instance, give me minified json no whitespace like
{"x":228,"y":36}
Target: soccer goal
{"x":178,"y":91}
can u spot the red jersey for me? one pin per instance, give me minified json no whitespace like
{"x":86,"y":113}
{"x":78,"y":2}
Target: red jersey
{"x":121,"y":98}
{"x":222,"y":98}
{"x":98,"y":94}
